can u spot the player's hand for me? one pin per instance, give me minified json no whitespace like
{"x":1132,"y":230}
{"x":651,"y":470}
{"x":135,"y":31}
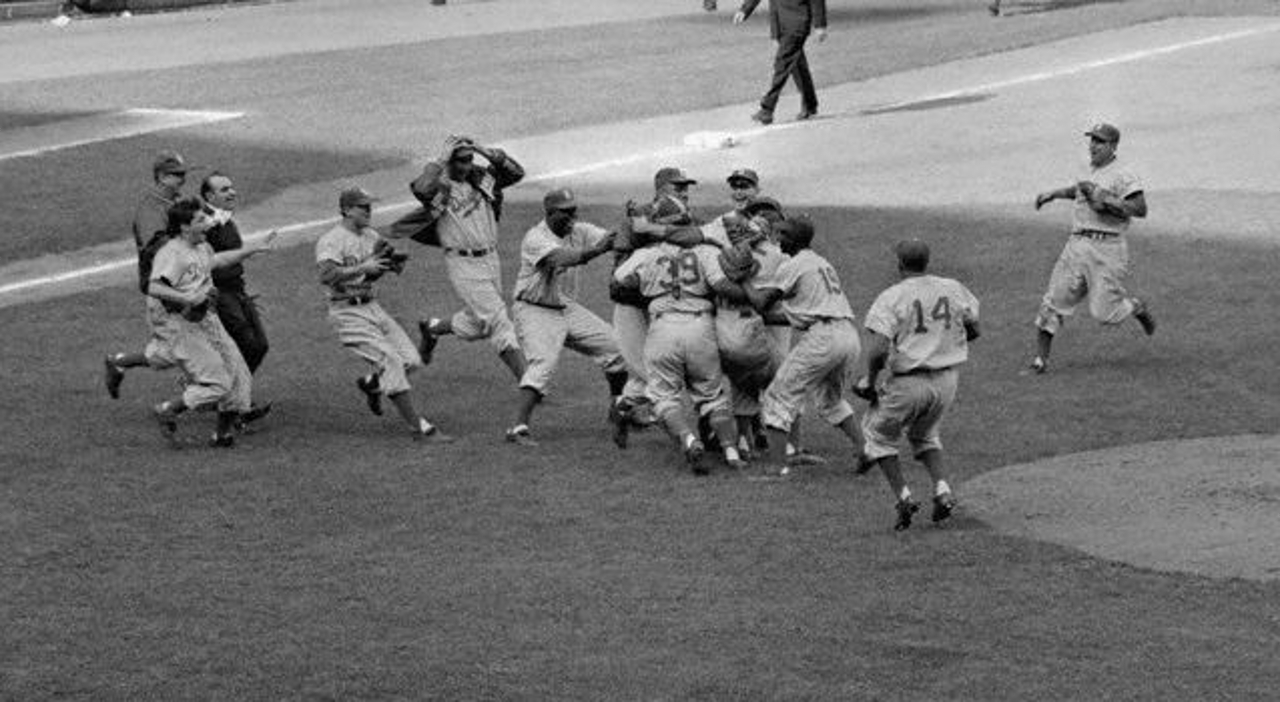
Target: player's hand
{"x":739,"y":17}
{"x":1043,"y":199}
{"x":821,"y":34}
{"x":268,"y":242}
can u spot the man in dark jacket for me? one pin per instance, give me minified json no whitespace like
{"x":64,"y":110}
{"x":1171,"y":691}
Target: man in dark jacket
{"x":790,"y":22}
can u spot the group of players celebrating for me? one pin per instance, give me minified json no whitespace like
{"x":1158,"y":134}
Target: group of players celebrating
{"x":724,"y":332}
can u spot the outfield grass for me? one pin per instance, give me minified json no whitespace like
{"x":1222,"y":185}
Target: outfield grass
{"x":328,"y":557}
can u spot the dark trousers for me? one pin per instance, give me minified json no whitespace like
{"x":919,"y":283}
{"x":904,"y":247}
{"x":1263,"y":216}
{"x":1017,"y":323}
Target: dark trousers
{"x":239,"y":316}
{"x":790,"y":62}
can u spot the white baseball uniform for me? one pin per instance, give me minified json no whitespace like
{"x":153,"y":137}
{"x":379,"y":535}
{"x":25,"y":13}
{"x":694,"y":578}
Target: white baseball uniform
{"x":354,"y":313}
{"x":924,"y":319}
{"x":1094,"y":263}
{"x":468,"y":233}
{"x":821,"y":362}
{"x":214,"y":370}
{"x":548,"y":317}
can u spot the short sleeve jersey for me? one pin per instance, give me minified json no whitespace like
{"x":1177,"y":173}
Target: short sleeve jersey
{"x":541,"y":284}
{"x":1115,"y":178}
{"x":183,"y":267}
{"x":468,"y":221}
{"x":347,"y":248}
{"x":810,"y":289}
{"x":675,"y":279}
{"x":923,"y":317}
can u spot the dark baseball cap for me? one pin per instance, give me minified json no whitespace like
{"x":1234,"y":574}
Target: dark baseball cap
{"x":559,"y":199}
{"x":764,"y":203}
{"x":745,"y":174}
{"x":672,"y":175}
{"x":1105,"y":132}
{"x":355,"y":197}
{"x":169,"y":162}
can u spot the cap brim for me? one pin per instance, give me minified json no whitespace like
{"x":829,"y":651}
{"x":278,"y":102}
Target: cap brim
{"x":683,"y":181}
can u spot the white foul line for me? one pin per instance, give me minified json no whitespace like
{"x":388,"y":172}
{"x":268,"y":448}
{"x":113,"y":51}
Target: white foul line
{"x":674,"y":151}
{"x":136,"y":121}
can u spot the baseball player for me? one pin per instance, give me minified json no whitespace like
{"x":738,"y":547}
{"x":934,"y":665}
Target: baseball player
{"x":149,"y":229}
{"x":656,"y":221}
{"x":826,"y":345}
{"x":463,"y":202}
{"x":920,"y":332}
{"x":1094,"y":264}
{"x":350,"y":258}
{"x":236,"y":307}
{"x":186,"y":332}
{"x":547,"y":316}
{"x":790,"y":22}
{"x":680,"y":349}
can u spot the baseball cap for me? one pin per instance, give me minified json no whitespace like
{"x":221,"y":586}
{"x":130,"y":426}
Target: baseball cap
{"x":1105,"y":132}
{"x":355,"y":197}
{"x":559,"y":199}
{"x":744,"y":174}
{"x":673,"y":175}
{"x":764,"y":203}
{"x":167,"y":162}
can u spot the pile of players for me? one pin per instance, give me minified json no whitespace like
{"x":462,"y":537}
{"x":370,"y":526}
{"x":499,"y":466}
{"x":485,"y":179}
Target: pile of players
{"x":723,"y":332}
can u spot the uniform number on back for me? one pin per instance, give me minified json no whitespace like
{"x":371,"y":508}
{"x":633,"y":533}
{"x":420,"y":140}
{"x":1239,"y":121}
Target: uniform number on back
{"x":941,"y":312}
{"x":682,"y":271}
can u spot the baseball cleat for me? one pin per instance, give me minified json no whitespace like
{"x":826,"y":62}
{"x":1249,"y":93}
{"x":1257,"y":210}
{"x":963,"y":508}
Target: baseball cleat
{"x":943,"y":505}
{"x":906,"y":510}
{"x":520,"y":437}
{"x":113,"y":376}
{"x":1038,"y":365}
{"x":1143,"y":314}
{"x":372,"y":393}
{"x":427,"y":346}
{"x":806,"y":114}
{"x":433,"y":435}
{"x":256,"y":412}
{"x":693,"y":454}
{"x":763,"y":117}
{"x":619,"y":417}
{"x":223,"y":440}
{"x":168,"y":421}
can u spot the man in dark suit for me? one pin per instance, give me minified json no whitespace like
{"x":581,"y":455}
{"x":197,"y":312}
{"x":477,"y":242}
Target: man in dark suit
{"x":789,"y":24}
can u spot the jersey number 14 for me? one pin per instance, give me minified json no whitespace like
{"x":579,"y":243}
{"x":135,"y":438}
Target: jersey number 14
{"x":941,"y":312}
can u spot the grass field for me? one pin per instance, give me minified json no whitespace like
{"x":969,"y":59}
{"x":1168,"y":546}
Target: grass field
{"x":328,"y":557}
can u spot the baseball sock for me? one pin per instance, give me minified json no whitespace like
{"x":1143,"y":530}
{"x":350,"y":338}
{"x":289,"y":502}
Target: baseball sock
{"x":942,"y":488}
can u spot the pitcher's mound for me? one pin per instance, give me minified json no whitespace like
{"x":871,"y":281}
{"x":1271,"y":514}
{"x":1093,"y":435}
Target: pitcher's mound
{"x":1204,"y":506}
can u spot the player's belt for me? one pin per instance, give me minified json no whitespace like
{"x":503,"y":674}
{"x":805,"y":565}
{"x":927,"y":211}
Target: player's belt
{"x":922,"y":370}
{"x":352,"y":300}
{"x":1095,"y":234}
{"x":468,"y":253}
{"x":687,"y":313}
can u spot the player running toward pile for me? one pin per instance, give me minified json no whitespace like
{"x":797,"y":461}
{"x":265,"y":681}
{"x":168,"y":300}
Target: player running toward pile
{"x":680,"y":350}
{"x":1094,"y":264}
{"x":920,"y":332}
{"x":349,"y":260}
{"x":185,"y":330}
{"x":547,"y":316}
{"x":826,"y":345}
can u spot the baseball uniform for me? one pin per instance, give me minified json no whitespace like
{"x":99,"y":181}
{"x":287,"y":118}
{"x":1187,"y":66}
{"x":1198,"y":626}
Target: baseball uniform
{"x":1094,"y":263}
{"x":680,"y":350}
{"x":750,"y":350}
{"x":923,"y":316}
{"x":360,"y":322}
{"x":213,"y":368}
{"x":548,"y":317}
{"x":150,"y":216}
{"x":825,"y":342}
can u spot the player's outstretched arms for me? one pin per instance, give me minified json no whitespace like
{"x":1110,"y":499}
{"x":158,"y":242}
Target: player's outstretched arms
{"x":1066,"y":193}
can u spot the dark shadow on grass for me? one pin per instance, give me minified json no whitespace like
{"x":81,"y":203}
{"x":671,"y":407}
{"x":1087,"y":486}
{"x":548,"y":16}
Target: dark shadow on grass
{"x":83,"y":196}
{"x":1029,"y":8}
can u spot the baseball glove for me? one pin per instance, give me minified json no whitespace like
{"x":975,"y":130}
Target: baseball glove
{"x":738,"y":263}
{"x":395,"y":260}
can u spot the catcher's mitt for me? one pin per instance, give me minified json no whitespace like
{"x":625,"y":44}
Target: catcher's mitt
{"x":738,"y":263}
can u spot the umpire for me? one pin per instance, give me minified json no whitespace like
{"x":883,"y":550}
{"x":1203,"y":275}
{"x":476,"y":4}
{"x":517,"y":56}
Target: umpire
{"x":236,"y":307}
{"x":789,"y":25}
